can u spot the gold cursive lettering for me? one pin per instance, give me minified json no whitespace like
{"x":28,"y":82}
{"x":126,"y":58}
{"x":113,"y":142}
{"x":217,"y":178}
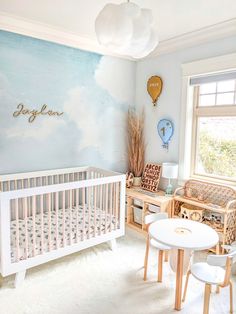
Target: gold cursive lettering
{"x":22,"y":110}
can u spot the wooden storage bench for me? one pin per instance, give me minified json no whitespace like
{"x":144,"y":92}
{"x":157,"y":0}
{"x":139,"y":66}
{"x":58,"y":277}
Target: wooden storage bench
{"x":140,"y":202}
{"x":211,"y":204}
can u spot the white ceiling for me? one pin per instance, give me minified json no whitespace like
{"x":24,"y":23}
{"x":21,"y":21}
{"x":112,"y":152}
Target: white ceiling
{"x":173,"y":17}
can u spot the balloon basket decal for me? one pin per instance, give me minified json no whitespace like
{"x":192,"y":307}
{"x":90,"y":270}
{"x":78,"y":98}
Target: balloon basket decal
{"x":165,"y":130}
{"x":154,"y":88}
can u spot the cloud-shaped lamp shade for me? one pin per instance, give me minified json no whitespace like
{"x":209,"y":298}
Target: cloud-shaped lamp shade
{"x":126,"y":29}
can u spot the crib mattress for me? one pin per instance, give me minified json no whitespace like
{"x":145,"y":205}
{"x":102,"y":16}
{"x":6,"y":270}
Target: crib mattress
{"x":76,"y":226}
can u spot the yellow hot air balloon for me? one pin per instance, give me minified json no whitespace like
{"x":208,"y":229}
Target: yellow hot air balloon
{"x":154,"y":88}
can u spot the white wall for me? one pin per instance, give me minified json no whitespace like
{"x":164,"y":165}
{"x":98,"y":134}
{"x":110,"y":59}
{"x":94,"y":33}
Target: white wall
{"x":169,"y":104}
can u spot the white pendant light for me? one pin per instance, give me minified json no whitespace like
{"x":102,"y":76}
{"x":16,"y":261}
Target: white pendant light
{"x":126,"y":29}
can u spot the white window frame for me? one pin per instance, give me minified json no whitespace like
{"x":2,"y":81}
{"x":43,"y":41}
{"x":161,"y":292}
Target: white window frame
{"x":201,"y":67}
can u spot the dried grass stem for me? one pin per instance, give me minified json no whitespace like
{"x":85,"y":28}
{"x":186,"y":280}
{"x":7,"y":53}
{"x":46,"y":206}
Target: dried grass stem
{"x":136,"y":145}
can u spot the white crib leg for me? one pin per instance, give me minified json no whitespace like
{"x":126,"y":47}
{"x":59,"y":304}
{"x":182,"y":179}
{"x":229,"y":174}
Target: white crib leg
{"x":113,"y":244}
{"x":19,"y":278}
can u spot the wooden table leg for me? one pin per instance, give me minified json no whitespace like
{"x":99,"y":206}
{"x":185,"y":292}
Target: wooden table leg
{"x":179,"y":279}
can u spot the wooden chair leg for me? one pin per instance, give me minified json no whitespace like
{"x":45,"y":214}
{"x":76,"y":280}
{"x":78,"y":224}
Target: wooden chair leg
{"x":207,"y":298}
{"x":160,"y":264}
{"x":186,"y":285}
{"x":166,"y":256}
{"x":146,"y":258}
{"x":231,"y":296}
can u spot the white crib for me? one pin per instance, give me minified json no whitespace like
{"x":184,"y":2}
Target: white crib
{"x":45,"y":215}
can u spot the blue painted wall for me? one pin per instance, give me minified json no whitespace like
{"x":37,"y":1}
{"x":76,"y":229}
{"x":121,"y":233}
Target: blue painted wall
{"x":93,"y":91}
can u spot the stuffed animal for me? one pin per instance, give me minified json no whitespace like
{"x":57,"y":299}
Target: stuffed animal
{"x":129,"y":179}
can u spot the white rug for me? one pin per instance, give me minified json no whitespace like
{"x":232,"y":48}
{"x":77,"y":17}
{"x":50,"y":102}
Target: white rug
{"x":99,"y":281}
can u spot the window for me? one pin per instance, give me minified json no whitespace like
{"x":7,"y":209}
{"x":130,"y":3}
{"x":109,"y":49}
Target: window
{"x":208,"y":120}
{"x":213,"y":147}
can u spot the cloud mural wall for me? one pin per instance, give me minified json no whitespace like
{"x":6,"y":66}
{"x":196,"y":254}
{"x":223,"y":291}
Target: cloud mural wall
{"x":93,"y":91}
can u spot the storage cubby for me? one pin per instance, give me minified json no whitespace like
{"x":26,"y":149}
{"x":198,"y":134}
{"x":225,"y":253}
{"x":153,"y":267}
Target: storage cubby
{"x":140,"y":202}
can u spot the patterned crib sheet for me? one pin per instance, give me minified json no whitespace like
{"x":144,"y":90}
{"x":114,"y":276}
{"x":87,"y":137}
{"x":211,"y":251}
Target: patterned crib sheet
{"x":76,"y":225}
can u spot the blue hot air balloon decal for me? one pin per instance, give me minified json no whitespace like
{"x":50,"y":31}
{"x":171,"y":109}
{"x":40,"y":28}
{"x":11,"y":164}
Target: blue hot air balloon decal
{"x":165,"y":130}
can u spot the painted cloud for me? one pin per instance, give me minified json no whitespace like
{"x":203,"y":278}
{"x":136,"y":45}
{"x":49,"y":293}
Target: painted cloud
{"x":102,"y":129}
{"x":93,"y":91}
{"x":116,"y":77}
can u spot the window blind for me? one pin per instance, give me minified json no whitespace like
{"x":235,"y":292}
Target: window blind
{"x":211,"y":78}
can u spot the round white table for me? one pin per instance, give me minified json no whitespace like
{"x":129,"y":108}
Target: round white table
{"x":183,"y":234}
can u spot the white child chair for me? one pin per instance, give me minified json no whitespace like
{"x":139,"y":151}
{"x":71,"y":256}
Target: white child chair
{"x":216,"y":271}
{"x":230,"y":249}
{"x":160,"y":247}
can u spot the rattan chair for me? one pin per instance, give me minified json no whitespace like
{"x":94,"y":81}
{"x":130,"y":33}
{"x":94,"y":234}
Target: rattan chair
{"x":216,"y":271}
{"x":160,"y":247}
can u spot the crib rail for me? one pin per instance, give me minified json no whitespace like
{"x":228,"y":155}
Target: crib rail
{"x":55,"y":218}
{"x":26,"y":180}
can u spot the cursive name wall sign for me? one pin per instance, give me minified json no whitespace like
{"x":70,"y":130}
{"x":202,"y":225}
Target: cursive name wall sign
{"x":22,"y":110}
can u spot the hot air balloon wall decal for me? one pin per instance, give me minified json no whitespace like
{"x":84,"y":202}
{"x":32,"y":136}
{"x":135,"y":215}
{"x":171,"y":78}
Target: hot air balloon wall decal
{"x":154,"y":88}
{"x":165,"y":129}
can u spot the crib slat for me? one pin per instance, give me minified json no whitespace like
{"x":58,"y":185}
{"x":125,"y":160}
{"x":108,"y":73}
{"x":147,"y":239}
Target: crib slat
{"x":28,"y":198}
{"x":42,"y":223}
{"x":20,"y":209}
{"x":117,"y":205}
{"x":63,"y":217}
{"x":100,"y":209}
{"x":114,"y":205}
{"x":49,"y":221}
{"x":111,"y":203}
{"x":56,"y":217}
{"x":73,"y":194}
{"x":33,"y":214}
{"x":89,"y":210}
{"x":95,"y":210}
{"x":13,"y":205}
{"x":77,"y":215}
{"x":70,"y":214}
{"x":52,"y":195}
{"x":83,"y":224}
{"x":25,"y":205}
{"x":106,"y":207}
{"x":17,"y":229}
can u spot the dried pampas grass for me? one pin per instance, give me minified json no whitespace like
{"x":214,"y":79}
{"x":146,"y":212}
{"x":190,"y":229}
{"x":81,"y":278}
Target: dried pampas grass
{"x":136,"y":145}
